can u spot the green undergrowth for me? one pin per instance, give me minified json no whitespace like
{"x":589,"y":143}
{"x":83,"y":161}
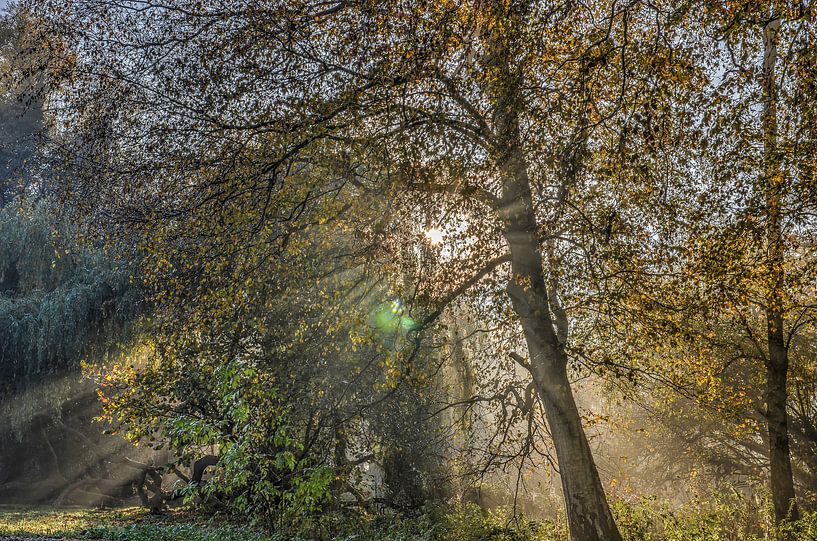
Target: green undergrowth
{"x":642,"y":520}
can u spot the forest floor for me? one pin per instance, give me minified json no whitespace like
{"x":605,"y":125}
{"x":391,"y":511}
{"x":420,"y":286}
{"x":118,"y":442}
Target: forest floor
{"x":128,"y":524}
{"x":646,"y":522}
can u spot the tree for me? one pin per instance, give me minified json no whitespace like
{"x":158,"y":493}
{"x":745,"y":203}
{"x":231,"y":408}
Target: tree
{"x":776,"y":212}
{"x":738,"y":290}
{"x":489,"y":119}
{"x":292,"y":373}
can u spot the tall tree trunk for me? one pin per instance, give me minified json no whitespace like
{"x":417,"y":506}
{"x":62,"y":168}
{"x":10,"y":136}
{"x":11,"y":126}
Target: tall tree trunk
{"x":777,"y":364}
{"x":588,"y":513}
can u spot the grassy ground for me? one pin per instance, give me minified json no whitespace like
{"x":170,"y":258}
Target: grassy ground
{"x":132,"y":524}
{"x":135,"y":524}
{"x":641,"y":521}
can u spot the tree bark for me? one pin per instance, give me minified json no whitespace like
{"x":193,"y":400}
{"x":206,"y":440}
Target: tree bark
{"x":777,"y":363}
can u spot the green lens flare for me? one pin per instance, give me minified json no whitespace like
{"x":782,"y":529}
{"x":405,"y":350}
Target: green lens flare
{"x":389,"y":317}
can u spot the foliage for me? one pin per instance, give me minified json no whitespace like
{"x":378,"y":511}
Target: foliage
{"x":61,"y":299}
{"x":725,"y":317}
{"x":60,"y":295}
{"x":296,"y":409}
{"x":727,"y":516}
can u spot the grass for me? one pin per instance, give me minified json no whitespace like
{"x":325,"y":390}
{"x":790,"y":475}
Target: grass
{"x":130,"y":524}
{"x":646,"y":520}
{"x":136,"y":524}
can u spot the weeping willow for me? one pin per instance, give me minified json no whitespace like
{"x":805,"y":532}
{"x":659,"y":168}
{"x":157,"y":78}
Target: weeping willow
{"x":62,"y":300}
{"x":59,"y":298}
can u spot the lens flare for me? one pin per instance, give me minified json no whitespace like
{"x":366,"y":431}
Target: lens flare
{"x":390,"y":317}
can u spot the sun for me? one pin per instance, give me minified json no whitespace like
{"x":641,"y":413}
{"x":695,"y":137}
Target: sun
{"x":434,"y":236}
